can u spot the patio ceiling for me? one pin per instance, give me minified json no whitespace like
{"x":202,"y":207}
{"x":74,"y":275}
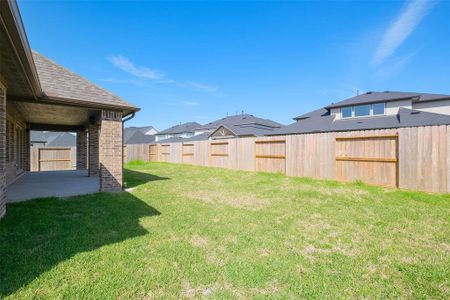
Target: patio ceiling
{"x":43,"y":114}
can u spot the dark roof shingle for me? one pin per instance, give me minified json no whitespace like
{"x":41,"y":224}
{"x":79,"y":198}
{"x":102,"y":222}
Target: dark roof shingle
{"x":238,"y":120}
{"x":140,"y":138}
{"x":185,"y":127}
{"x":371,"y":97}
{"x":61,"y":83}
{"x":327,"y":123}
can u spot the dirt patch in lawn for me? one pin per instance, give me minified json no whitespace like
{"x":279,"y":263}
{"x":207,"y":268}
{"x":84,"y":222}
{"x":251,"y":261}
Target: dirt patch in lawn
{"x":199,"y":241}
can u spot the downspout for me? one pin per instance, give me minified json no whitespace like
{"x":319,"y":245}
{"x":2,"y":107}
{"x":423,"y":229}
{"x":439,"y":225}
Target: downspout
{"x":123,"y":121}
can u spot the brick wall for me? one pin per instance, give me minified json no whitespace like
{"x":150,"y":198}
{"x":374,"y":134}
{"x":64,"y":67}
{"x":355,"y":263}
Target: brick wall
{"x":110,"y":151}
{"x":81,"y":150}
{"x":93,"y":149}
{"x":2,"y":150}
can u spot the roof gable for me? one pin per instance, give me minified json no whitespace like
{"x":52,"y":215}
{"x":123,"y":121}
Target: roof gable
{"x":222,"y":132}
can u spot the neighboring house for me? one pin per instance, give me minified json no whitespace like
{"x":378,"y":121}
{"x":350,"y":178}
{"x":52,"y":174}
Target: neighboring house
{"x":184,"y":130}
{"x":52,"y":139}
{"x":243,"y":125}
{"x":133,"y":134}
{"x":374,"y":110}
{"x":140,"y":138}
{"x":38,"y":94}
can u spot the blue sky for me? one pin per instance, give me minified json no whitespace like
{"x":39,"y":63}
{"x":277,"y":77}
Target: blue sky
{"x":198,"y":61}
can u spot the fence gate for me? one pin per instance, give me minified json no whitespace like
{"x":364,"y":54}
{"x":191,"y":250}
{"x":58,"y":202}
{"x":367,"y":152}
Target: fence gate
{"x":153,"y":152}
{"x":270,"y":156}
{"x":372,"y":159}
{"x":52,"y":159}
{"x":218,"y":154}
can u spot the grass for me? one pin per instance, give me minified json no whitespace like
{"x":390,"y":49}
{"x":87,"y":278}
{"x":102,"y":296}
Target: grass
{"x":185,"y":231}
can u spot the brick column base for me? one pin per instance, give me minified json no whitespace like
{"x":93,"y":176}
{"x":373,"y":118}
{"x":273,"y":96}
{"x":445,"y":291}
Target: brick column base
{"x":110,"y":152}
{"x":81,"y":150}
{"x":2,"y":150}
{"x":93,"y":150}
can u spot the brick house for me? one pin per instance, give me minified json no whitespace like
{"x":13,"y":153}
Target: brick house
{"x":38,"y":94}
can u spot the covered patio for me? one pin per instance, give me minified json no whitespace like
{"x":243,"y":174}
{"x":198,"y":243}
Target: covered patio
{"x":38,"y":94}
{"x":42,"y":184}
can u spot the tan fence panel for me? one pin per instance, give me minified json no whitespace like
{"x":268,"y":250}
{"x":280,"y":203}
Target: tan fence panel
{"x":55,"y":158}
{"x":424,"y":161}
{"x":310,"y":155}
{"x":369,"y":158}
{"x":34,"y":159}
{"x":201,"y":153}
{"x":165,"y":152}
{"x":219,"y":154}
{"x":153,"y":152}
{"x":188,"y":152}
{"x":136,"y":152}
{"x":176,"y":153}
{"x":270,"y":155}
{"x":245,"y":152}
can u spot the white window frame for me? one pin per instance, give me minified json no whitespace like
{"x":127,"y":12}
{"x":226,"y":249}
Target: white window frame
{"x":365,"y":116}
{"x":342,"y":115}
{"x":384,"y":109}
{"x":353,"y":116}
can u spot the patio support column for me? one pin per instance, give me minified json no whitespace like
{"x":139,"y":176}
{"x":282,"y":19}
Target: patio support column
{"x":26,"y":150}
{"x":93,"y":149}
{"x":81,"y":150}
{"x":110,"y":151}
{"x":2,"y":150}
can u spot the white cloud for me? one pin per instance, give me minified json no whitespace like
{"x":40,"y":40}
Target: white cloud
{"x":127,"y":65}
{"x":401,"y":29}
{"x":144,"y":73}
{"x":396,"y":67}
{"x":190,"y":103}
{"x":203,"y":87}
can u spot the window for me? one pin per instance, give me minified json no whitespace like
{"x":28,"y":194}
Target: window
{"x":346,"y":112}
{"x":362,"y":110}
{"x":365,"y":110}
{"x":378,"y":109}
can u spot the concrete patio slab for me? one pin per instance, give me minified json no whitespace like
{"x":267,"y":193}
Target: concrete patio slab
{"x":51,"y":184}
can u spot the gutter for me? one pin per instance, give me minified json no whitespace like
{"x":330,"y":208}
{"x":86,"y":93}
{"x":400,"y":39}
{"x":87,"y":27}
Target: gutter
{"x":129,"y":118}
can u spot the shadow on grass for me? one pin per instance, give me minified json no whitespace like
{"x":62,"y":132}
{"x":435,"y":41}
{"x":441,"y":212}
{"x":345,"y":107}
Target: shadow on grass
{"x":37,"y":235}
{"x":134,"y":178}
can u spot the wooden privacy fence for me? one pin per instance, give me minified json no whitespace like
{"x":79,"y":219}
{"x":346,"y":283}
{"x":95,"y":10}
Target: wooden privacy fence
{"x":52,"y":158}
{"x":414,"y":158}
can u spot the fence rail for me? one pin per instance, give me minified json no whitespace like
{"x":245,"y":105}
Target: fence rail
{"x":414,"y":158}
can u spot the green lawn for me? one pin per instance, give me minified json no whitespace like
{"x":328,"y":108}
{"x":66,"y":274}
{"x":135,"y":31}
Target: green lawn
{"x":185,"y":231}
